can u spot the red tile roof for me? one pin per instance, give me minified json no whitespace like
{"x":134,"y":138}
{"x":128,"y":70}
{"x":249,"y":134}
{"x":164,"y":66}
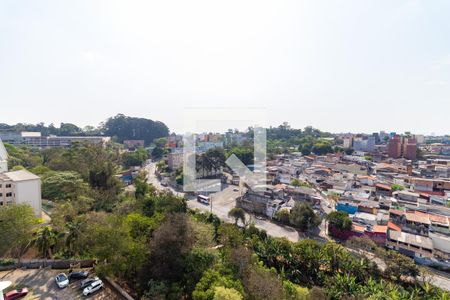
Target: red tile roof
{"x":394,"y":226}
{"x":379,"y":229}
{"x":383,"y":186}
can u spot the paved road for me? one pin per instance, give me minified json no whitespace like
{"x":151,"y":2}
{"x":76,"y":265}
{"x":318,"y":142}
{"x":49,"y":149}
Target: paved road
{"x":152,"y":179}
{"x":222,"y":203}
{"x":225,"y":200}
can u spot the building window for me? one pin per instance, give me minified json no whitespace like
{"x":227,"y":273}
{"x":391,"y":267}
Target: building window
{"x":1,"y":195}
{"x":8,"y":194}
{"x":8,"y":185}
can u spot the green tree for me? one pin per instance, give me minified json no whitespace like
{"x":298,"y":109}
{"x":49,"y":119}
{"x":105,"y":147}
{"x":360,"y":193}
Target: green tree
{"x":244,"y":153}
{"x":45,"y":240}
{"x":295,"y":182}
{"x":211,"y":279}
{"x":261,"y":283}
{"x":348,"y":151}
{"x":397,"y":187}
{"x":339,"y":220}
{"x":17,"y":225}
{"x":223,"y":293}
{"x":294,"y":292}
{"x":322,"y":147}
{"x":140,"y":226}
{"x":110,"y":241}
{"x":169,"y":247}
{"x":130,"y":128}
{"x":303,"y":216}
{"x":135,"y":158}
{"x":68,"y":129}
{"x":282,"y":215}
{"x":237,"y":214}
{"x":157,"y":152}
{"x":73,"y":231}
{"x":400,"y":267}
{"x":66,"y":185}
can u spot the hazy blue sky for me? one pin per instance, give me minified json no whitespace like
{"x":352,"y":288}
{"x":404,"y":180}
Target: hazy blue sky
{"x":358,"y":66}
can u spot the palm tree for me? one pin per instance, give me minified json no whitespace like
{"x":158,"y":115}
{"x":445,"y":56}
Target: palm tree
{"x":45,"y":240}
{"x":72,"y":235}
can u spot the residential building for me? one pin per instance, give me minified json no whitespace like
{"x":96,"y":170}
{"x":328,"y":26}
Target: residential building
{"x":3,"y":158}
{"x":175,"y":159}
{"x":348,"y":142}
{"x":402,"y":147}
{"x":133,"y":144}
{"x":409,"y":148}
{"x":21,"y":187}
{"x":360,"y":143}
{"x":395,"y":147}
{"x":36,"y":140}
{"x":410,"y":244}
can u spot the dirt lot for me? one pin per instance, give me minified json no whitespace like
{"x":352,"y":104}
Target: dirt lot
{"x":41,"y":284}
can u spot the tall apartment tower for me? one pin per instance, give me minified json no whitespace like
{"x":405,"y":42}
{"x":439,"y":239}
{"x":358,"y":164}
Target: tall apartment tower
{"x":395,"y":147}
{"x":409,"y":148}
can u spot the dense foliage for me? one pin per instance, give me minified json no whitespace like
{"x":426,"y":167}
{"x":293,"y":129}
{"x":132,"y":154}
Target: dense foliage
{"x":120,"y":126}
{"x":339,"y":220}
{"x":158,"y":249}
{"x":129,"y":128}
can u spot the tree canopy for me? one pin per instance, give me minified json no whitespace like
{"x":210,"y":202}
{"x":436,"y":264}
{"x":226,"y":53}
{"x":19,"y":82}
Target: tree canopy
{"x":130,"y":128}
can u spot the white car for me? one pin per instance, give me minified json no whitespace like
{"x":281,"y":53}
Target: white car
{"x":62,"y":280}
{"x":93,"y":287}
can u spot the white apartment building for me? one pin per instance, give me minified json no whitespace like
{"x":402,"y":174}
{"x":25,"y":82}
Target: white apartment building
{"x":18,"y":187}
{"x":21,"y":187}
{"x":3,"y":158}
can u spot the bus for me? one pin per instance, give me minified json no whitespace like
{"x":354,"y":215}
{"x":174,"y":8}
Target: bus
{"x":203,"y":199}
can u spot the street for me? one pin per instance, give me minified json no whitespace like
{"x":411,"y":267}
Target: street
{"x":222,"y":203}
{"x":225,"y":200}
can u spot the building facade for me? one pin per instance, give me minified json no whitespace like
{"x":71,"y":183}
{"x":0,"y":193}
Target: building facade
{"x":36,"y":140}
{"x":21,"y":187}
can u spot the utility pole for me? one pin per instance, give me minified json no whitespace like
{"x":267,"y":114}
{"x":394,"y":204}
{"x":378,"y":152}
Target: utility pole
{"x":210,"y":201}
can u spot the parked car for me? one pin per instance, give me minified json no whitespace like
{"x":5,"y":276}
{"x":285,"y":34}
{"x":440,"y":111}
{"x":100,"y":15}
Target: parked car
{"x":86,"y":282}
{"x":16,"y":294}
{"x":79,"y":275}
{"x":62,"y":280}
{"x":235,"y":190}
{"x":93,"y":287}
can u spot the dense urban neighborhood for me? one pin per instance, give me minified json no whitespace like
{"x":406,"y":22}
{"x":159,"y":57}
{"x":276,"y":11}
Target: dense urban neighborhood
{"x":103,"y":213}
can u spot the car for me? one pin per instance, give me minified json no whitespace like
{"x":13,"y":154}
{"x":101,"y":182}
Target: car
{"x":16,"y":294}
{"x":62,"y":280}
{"x":84,"y":283}
{"x":79,"y":275}
{"x":93,"y":287}
{"x":259,"y":218}
{"x":235,"y":190}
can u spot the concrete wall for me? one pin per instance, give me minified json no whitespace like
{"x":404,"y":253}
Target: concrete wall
{"x":29,"y":192}
{"x":54,"y":264}
{"x":440,"y":242}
